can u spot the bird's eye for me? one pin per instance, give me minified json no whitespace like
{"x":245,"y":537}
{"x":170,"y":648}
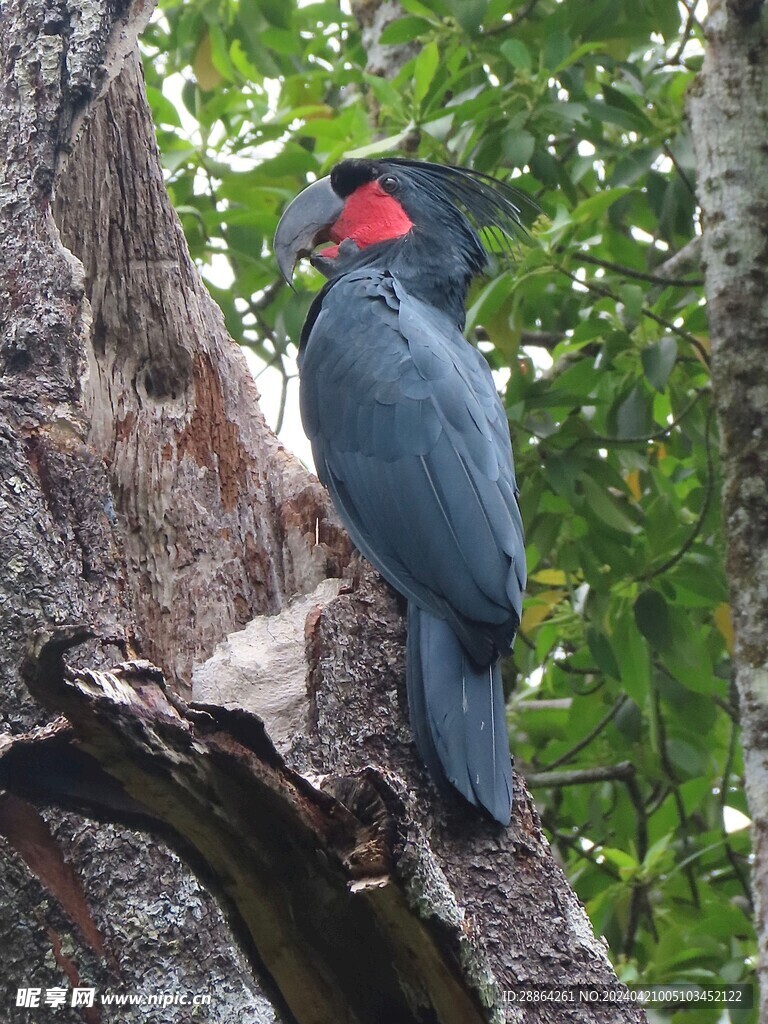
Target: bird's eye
{"x":389,"y":183}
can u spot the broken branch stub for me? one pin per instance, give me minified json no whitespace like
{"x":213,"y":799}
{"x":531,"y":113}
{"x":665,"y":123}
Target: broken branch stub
{"x":306,"y":873}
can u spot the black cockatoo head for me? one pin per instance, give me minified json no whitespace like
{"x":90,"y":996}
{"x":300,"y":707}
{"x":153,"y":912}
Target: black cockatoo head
{"x":418,"y":219}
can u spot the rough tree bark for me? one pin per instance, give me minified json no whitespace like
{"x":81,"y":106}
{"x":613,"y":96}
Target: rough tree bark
{"x":729,"y":110}
{"x":148,"y":513}
{"x":78,"y":903}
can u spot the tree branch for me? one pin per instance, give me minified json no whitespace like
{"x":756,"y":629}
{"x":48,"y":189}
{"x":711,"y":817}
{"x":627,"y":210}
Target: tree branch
{"x":621,"y":772}
{"x":683,"y":261}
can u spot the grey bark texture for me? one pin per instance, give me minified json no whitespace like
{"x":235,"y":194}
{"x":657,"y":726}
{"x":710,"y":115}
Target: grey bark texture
{"x":373,"y":16}
{"x":729,"y":112}
{"x":149,"y":513}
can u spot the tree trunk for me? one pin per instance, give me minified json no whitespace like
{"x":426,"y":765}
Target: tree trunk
{"x":80,"y":905}
{"x":149,"y":512}
{"x":729,"y":109}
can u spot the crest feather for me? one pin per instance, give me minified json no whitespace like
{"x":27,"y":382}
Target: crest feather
{"x":488,"y":202}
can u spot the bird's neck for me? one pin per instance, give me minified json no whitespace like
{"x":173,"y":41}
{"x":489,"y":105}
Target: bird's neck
{"x":442,"y":283}
{"x":438,"y":274}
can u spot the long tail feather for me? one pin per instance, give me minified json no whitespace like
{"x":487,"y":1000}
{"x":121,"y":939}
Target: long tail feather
{"x":457,"y":715}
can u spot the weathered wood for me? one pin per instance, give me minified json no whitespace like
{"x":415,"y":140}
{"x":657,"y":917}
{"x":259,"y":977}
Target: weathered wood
{"x":219,"y":522}
{"x":354,"y":907}
{"x":308,"y":884}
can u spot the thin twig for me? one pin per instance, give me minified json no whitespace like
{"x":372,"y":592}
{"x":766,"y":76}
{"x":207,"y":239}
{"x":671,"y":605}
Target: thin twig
{"x":283,"y":397}
{"x":505,"y":26}
{"x":636,"y":899}
{"x":729,"y":851}
{"x":671,"y":774}
{"x":640,"y":275}
{"x":639,"y":897}
{"x":659,"y":570}
{"x":274,"y":359}
{"x":604,"y":441}
{"x":642,"y":822}
{"x":565,"y":665}
{"x":268,"y":295}
{"x":559,"y":663}
{"x":586,"y":740}
{"x":679,"y":168}
{"x":645,"y":311}
{"x":547,"y":704}
{"x":729,"y":709}
{"x":588,"y":853}
{"x":525,"y":13}
{"x":659,"y":435}
{"x":586,"y":691}
{"x":690,"y":23}
{"x":541,"y":339}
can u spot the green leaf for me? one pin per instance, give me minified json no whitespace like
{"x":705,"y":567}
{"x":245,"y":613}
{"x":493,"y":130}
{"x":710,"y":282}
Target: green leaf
{"x":378,"y":146}
{"x":278,"y":12}
{"x":605,"y":508}
{"x":604,"y":113}
{"x":632,"y":297}
{"x":424,"y":69}
{"x":416,"y":7}
{"x":632,"y":656}
{"x":620,"y":859}
{"x":689,"y":759}
{"x":404,"y":30}
{"x":653,"y":621}
{"x":281,"y":41}
{"x":616,"y":98}
{"x":658,"y":361}
{"x":220,"y":52}
{"x":517,"y":53}
{"x":556,"y":48}
{"x":629,"y":721}
{"x":163,"y":111}
{"x":593,"y":208}
{"x":602,"y":653}
{"x":632,"y":416}
{"x":468,"y":13}
{"x":575,"y":55}
{"x":667,"y":18}
{"x":658,"y":855}
{"x":688,"y":659}
{"x":517,"y":148}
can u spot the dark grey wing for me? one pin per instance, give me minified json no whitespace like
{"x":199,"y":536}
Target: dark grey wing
{"x":409,"y":436}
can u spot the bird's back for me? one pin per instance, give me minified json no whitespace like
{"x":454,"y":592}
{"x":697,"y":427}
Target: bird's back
{"x":409,"y":435}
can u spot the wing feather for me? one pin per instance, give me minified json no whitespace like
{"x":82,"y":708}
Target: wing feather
{"x":409,"y":435}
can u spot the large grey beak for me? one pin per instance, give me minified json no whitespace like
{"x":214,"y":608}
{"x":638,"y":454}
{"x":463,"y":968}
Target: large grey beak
{"x":305,"y":222}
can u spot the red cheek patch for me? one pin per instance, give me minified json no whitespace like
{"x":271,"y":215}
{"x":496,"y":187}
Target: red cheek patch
{"x":370,"y":215}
